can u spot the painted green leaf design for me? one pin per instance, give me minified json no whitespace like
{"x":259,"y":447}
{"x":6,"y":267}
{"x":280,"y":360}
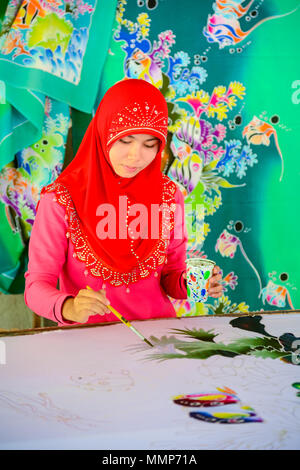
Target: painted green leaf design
{"x":197,"y":334}
{"x":271,"y":354}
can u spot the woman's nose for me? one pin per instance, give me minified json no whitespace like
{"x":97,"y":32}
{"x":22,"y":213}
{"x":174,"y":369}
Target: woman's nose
{"x":133,"y":153}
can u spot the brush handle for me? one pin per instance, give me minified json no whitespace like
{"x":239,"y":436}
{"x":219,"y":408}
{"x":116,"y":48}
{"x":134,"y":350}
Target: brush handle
{"x":126,"y":322}
{"x":120,"y":317}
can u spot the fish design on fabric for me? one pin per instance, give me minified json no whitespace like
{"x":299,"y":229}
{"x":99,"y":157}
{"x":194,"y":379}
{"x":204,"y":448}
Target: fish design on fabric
{"x":245,"y":415}
{"x":27,"y":14}
{"x":224,"y":397}
{"x":227,"y":245}
{"x":141,"y":66}
{"x":259,"y":132}
{"x":223,"y":27}
{"x":276,"y":292}
{"x":187,"y":173}
{"x":194,"y":145}
{"x":200,"y":133}
{"x":143,"y":60}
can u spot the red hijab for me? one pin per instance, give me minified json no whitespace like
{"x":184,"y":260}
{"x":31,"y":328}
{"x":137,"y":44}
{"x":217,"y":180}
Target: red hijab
{"x":129,"y":107}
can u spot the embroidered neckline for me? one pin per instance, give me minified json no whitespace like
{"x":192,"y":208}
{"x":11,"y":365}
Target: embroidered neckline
{"x":97,"y":267}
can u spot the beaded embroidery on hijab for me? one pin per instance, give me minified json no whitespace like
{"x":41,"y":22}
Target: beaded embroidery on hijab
{"x":129,"y":107}
{"x":138,"y":116}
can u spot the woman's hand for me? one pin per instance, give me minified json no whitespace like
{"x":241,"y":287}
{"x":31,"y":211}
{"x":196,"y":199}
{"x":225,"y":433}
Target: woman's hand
{"x":215,"y":289}
{"x":86,"y":303}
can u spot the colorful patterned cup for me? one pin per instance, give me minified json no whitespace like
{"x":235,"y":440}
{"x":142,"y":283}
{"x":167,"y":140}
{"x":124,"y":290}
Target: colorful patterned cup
{"x":199,"y":270}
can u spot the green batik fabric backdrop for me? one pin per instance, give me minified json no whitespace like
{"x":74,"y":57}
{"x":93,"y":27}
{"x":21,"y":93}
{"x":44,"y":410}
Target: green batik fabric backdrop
{"x":230,"y":72}
{"x":51,"y":59}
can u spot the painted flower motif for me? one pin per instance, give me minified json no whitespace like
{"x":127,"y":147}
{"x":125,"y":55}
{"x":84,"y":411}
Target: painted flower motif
{"x":220,"y":110}
{"x":181,"y":87}
{"x":144,"y":21}
{"x":231,"y":102}
{"x":220,"y":90}
{"x":201,"y":73}
{"x":223,"y":306}
{"x":237,"y":89}
{"x":220,"y":132}
{"x":78,"y":7}
{"x":183,"y":57}
{"x":229,"y":280}
{"x":236,"y":160}
{"x":206,"y":229}
{"x":243,"y":307}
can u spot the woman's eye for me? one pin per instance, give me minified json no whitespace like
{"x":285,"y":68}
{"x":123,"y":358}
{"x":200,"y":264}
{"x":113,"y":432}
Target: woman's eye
{"x":145,"y":145}
{"x":151,"y":146}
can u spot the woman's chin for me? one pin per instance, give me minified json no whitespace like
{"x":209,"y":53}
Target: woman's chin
{"x":126,"y":172}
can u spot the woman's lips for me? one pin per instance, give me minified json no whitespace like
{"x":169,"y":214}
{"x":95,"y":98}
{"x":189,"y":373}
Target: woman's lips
{"x":131,"y":169}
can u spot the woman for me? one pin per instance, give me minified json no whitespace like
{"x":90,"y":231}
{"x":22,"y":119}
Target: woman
{"x":111,"y":220}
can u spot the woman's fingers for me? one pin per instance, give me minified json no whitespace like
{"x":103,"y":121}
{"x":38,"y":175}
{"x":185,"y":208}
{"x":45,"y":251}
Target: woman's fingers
{"x":100,"y":295}
{"x":215,"y":291}
{"x":96,"y":295}
{"x":215,"y":288}
{"x":86,"y":303}
{"x":96,"y":302}
{"x":216,"y":275}
{"x":216,"y":270}
{"x":215,"y":279}
{"x":94,"y":307}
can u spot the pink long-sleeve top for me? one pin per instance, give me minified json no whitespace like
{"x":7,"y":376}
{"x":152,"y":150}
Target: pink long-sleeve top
{"x":54,"y":274}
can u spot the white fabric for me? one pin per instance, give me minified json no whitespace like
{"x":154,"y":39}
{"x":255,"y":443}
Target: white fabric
{"x":92,"y":388}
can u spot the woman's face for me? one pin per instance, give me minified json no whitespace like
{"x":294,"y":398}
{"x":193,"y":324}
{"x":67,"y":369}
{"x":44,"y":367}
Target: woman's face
{"x":132,"y":153}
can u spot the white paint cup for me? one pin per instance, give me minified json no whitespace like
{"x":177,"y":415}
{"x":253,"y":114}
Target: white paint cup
{"x":199,"y":271}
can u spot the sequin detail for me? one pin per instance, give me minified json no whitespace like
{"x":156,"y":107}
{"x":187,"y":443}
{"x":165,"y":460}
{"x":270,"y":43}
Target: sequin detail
{"x":138,"y":116}
{"x":96,"y":267}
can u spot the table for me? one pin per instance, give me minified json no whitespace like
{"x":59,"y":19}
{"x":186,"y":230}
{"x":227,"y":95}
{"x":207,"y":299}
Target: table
{"x":104,"y":388}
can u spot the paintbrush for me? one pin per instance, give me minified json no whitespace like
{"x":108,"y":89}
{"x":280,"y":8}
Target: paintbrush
{"x":126,"y":322}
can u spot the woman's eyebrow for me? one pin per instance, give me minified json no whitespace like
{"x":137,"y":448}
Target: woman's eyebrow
{"x":150,"y":138}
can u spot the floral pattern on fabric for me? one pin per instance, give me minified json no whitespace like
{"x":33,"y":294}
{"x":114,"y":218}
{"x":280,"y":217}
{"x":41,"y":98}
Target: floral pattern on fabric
{"x":33,"y":168}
